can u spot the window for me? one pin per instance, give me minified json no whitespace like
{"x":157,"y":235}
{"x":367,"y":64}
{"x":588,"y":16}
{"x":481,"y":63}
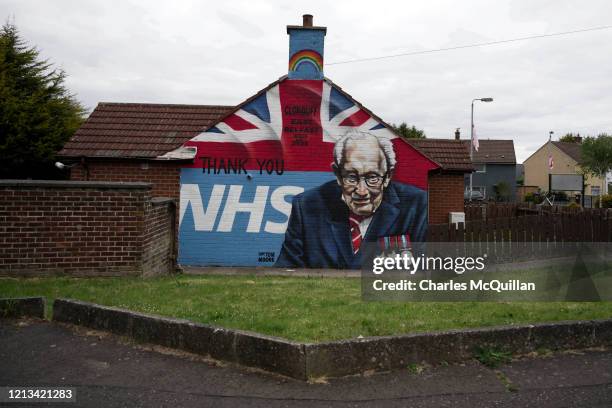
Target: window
{"x":480,"y":168}
{"x":595,"y":190}
{"x":481,"y":189}
{"x":478,"y":193}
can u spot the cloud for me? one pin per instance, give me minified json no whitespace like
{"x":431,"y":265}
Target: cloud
{"x":221,"y":53}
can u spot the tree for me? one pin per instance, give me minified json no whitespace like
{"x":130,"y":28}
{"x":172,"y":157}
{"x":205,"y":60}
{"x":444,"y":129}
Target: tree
{"x":597,"y":155}
{"x":502,"y":191}
{"x":408,"y":132}
{"x":37,"y":113}
{"x":571,"y":138}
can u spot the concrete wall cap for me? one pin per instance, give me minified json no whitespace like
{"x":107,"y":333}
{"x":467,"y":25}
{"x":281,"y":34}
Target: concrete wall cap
{"x":76,"y":184}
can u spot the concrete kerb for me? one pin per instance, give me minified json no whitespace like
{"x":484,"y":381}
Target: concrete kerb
{"x":246,"y":348}
{"x":23,"y":307}
{"x":332,"y":359}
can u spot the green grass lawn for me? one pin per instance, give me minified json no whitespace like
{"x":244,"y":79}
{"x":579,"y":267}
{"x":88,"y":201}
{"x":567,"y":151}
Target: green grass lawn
{"x":304,"y":309}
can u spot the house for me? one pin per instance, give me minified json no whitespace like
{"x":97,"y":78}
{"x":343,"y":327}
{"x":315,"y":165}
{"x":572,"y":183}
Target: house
{"x":566,"y":159}
{"x":236,"y":170}
{"x":494,"y":174}
{"x":132,"y":142}
{"x":445,"y":183}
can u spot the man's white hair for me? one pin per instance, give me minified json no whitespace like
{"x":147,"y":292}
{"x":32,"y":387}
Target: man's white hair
{"x":355,"y":135}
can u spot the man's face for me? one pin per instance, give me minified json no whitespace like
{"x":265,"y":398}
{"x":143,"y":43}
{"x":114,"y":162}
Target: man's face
{"x":363,"y":177}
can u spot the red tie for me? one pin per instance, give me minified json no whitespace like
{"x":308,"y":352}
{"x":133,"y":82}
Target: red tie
{"x":354,"y":221}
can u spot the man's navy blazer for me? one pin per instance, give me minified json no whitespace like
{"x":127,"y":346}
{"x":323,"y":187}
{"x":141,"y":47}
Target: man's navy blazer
{"x":318,"y":234}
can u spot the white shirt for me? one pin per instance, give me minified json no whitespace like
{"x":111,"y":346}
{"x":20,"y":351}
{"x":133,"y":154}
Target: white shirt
{"x":364,"y":224}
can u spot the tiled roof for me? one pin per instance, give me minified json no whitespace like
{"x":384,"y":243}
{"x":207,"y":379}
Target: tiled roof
{"x":573,"y":150}
{"x":493,"y":151}
{"x":138,"y":130}
{"x":450,"y":154}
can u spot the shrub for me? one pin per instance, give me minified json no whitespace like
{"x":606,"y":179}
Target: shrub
{"x":502,"y":191}
{"x":536,"y":198}
{"x":606,"y":201}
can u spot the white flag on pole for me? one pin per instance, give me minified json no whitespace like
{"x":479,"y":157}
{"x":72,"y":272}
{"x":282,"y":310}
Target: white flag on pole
{"x":474,"y":139}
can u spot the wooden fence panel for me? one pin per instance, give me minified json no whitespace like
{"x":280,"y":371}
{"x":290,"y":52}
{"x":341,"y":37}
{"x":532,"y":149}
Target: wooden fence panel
{"x":600,"y":226}
{"x":505,"y":237}
{"x":521,"y":233}
{"x":469,"y":239}
{"x":540,"y":233}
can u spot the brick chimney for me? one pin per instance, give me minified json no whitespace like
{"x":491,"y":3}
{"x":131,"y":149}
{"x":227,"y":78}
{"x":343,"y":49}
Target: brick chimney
{"x":306,"y":50}
{"x":457,"y":134}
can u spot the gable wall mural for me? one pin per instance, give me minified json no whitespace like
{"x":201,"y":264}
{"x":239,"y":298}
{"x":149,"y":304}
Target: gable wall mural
{"x":299,"y":176}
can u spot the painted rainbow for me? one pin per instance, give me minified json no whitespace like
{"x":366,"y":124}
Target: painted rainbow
{"x":306,"y":55}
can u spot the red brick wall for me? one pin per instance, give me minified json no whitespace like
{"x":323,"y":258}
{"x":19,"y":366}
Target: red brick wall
{"x":79,"y":228}
{"x":445,"y":195}
{"x":164,"y":176}
{"x":159,"y":234}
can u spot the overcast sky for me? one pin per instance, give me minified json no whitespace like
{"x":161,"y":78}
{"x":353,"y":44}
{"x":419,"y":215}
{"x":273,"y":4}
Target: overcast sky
{"x":222,"y":52}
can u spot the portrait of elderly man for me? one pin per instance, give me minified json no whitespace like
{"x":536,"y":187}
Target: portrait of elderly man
{"x":328,"y":224}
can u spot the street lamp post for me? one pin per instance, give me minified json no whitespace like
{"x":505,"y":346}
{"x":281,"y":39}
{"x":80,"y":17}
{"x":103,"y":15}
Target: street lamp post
{"x":472,"y":137}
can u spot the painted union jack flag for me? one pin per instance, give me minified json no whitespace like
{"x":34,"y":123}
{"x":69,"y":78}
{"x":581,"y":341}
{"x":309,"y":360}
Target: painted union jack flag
{"x":300,"y":120}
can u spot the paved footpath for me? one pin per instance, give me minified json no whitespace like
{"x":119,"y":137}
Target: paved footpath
{"x":108,"y":371}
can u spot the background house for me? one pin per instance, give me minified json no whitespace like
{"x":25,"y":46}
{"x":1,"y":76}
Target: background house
{"x":494,"y":170}
{"x":566,"y":160}
{"x":520,"y":174}
{"x":131,"y":142}
{"x":446,"y":183}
